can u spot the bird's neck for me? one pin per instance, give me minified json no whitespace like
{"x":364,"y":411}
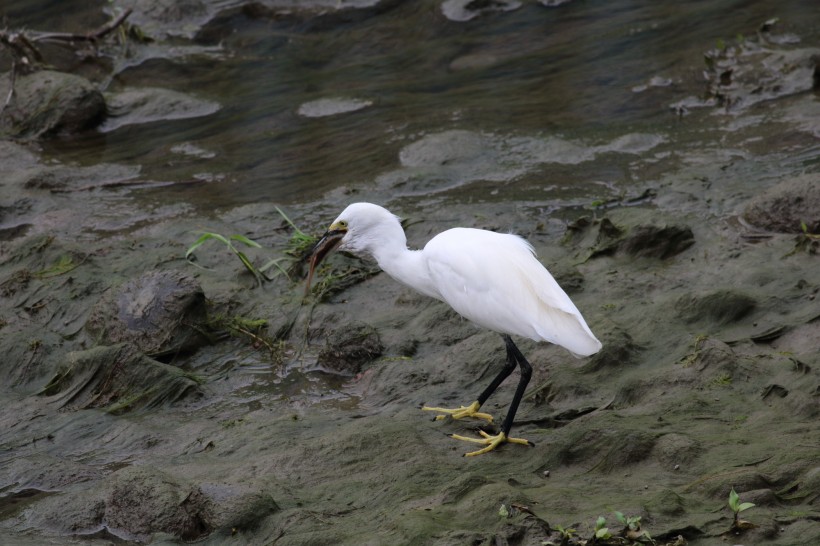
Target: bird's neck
{"x":406,"y":266}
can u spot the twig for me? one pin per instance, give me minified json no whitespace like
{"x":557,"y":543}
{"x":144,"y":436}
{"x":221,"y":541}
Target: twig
{"x":12,"y":78}
{"x":22,"y":47}
{"x":91,"y":36}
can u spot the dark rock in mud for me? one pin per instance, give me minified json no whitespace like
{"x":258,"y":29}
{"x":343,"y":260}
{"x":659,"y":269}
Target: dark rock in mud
{"x":788,"y":205}
{"x":117,"y":378}
{"x":761,"y":497}
{"x":642,"y":241}
{"x":719,"y":307}
{"x":142,"y":500}
{"x":136,"y":503}
{"x":47,"y":103}
{"x":658,"y":242}
{"x":238,"y":508}
{"x":160,"y":312}
{"x":349,"y":347}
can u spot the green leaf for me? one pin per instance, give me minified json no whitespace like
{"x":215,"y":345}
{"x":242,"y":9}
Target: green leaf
{"x":199,"y":242}
{"x":63,"y":265}
{"x":274,"y":263}
{"x":206,"y":236}
{"x":603,"y":532}
{"x":734,"y":500}
{"x":620,"y":517}
{"x":245,"y":240}
{"x":291,"y":224}
{"x":600,"y":522}
{"x":745,"y":506}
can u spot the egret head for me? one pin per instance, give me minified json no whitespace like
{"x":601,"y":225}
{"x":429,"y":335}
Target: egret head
{"x":360,"y":229}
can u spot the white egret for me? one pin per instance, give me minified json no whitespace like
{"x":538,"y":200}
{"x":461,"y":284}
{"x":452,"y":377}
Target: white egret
{"x":492,"y":279}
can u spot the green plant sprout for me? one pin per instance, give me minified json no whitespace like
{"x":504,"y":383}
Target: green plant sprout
{"x":632,"y":523}
{"x":246,"y":328}
{"x":737,"y":507}
{"x":564,"y":536}
{"x":62,"y":266}
{"x":300,"y":242}
{"x":806,"y":241}
{"x":632,"y":528}
{"x":257,"y":272}
{"x":601,"y":530}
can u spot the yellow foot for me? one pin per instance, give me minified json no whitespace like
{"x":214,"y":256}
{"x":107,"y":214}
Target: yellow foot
{"x":461,"y":413}
{"x":490,"y":441}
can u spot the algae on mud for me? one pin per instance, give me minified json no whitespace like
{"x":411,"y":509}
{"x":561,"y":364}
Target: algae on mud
{"x":710,"y":382}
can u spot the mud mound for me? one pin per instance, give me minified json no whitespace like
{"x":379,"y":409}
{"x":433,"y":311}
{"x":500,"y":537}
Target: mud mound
{"x":787,"y":206}
{"x":117,"y":378}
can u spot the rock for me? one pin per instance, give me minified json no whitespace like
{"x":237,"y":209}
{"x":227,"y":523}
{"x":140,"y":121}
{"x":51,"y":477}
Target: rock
{"x":160,"y":312}
{"x":47,"y":103}
{"x":783,"y":207}
{"x":657,"y":242}
{"x":761,"y":497}
{"x":719,"y":307}
{"x":146,"y":105}
{"x":141,"y":500}
{"x":350,"y":347}
{"x":332,"y":106}
{"x":238,"y":508}
{"x":139,"y":504}
{"x":464,"y":10}
{"x":641,"y":241}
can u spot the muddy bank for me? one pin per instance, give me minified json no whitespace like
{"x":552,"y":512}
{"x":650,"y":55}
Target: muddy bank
{"x":148,"y":400}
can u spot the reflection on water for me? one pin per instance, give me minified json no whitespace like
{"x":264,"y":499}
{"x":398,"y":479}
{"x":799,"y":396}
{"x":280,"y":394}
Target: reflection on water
{"x":242,"y":377}
{"x":565,"y":71}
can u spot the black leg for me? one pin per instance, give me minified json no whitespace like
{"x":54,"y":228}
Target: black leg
{"x":490,"y":441}
{"x":526,"y":373}
{"x":504,"y":373}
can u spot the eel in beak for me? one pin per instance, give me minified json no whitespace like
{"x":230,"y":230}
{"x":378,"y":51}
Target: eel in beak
{"x":329,"y":241}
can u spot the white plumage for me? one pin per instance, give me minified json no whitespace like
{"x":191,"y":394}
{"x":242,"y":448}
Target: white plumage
{"x":494,"y":280}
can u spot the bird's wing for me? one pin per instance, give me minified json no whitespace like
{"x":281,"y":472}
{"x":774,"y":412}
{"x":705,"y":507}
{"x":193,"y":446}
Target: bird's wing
{"x":495,"y":281}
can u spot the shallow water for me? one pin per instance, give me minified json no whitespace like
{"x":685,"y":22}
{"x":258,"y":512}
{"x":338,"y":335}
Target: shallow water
{"x":569,"y":71}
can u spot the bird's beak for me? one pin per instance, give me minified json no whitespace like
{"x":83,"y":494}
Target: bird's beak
{"x":329,"y":241}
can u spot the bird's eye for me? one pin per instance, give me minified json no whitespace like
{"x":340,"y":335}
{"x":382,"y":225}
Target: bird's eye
{"x":343,"y":223}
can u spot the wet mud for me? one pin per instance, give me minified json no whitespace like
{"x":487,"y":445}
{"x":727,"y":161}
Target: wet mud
{"x":149,"y":399}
